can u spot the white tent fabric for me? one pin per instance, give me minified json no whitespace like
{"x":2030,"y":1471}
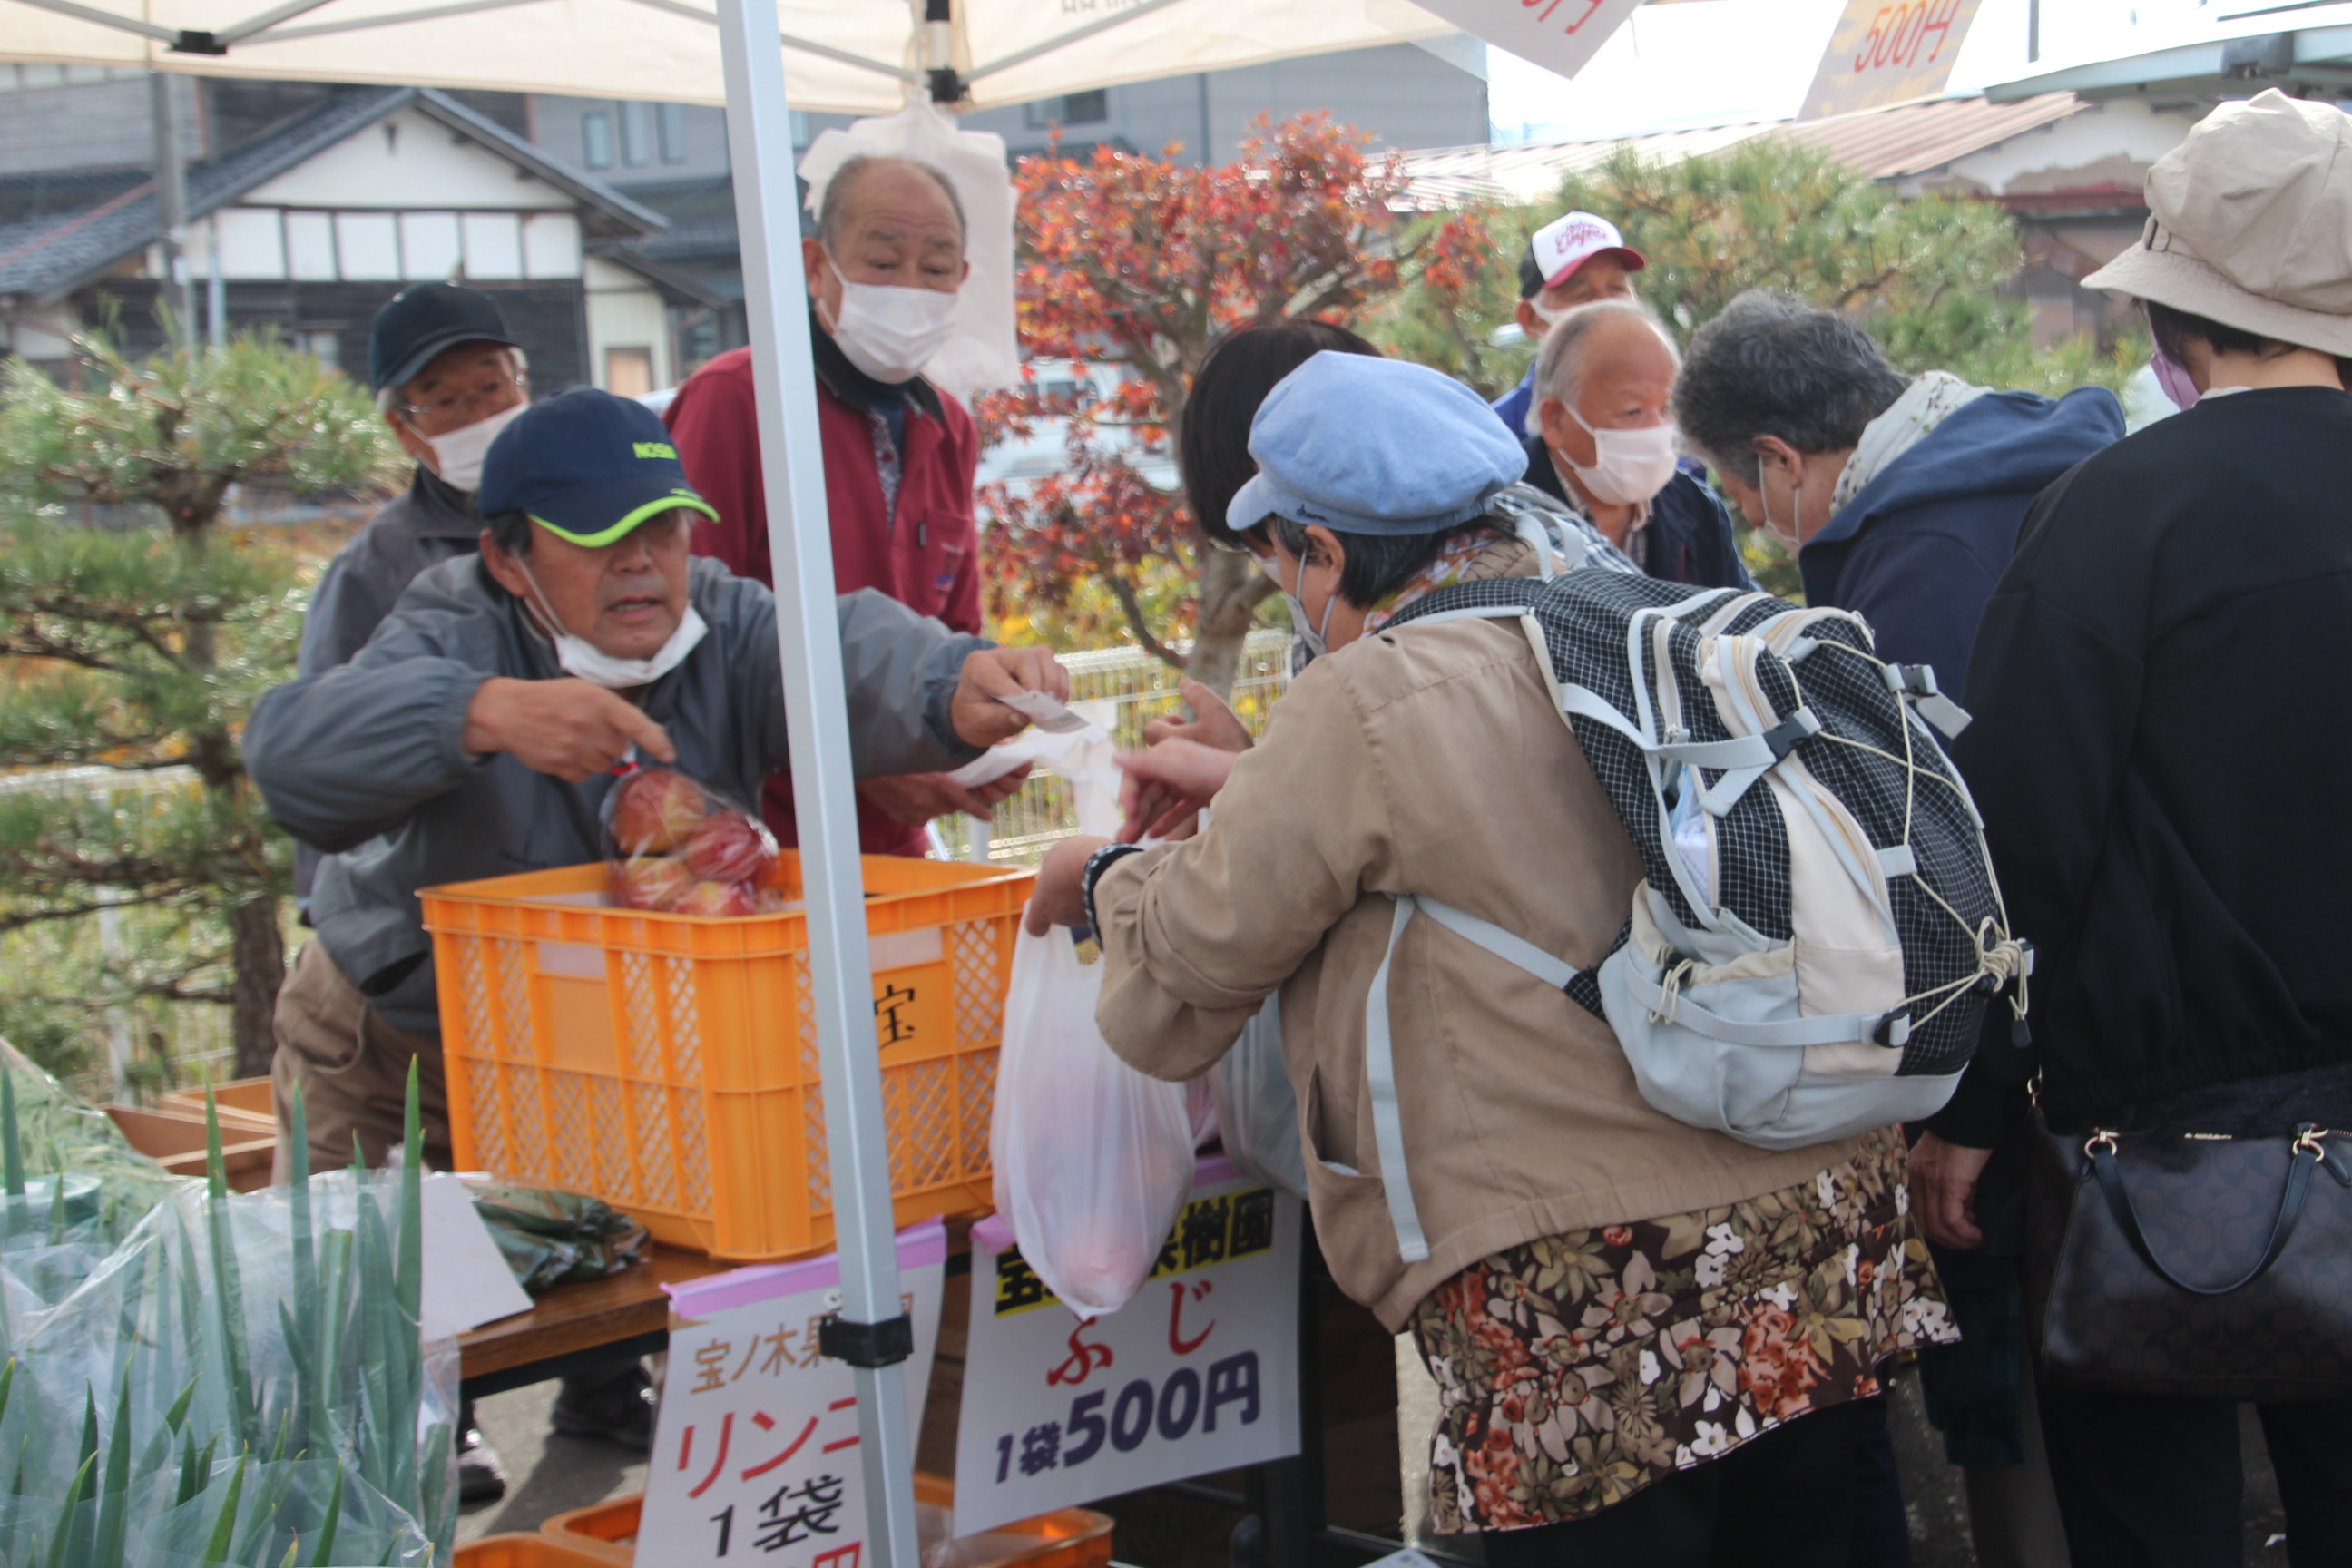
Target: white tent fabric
{"x":855,"y":56}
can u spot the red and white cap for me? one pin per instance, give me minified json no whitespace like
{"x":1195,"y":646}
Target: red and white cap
{"x":1567,"y":243}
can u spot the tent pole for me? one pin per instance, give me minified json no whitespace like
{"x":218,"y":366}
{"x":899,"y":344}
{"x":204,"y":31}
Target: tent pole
{"x":840,"y":973}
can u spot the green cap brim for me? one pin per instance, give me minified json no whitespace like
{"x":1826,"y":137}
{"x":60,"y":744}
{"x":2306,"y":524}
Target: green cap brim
{"x":620,"y":528}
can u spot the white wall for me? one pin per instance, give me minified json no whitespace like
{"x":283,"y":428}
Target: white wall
{"x":627,"y":311}
{"x":2113,"y":140}
{"x":407,"y":161}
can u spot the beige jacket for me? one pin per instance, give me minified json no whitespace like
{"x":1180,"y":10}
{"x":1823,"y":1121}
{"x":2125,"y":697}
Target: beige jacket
{"x":1426,"y":760}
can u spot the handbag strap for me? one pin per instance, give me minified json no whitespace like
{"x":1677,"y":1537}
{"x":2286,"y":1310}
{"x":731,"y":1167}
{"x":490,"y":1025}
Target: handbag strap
{"x":2101,"y":1148}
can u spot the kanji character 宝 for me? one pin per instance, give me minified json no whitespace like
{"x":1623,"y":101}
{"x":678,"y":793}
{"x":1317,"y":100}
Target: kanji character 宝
{"x":709,"y":1366}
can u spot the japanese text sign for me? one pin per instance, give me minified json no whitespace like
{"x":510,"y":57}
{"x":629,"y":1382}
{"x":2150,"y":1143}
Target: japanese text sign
{"x":755,"y":1453}
{"x":1888,"y":51}
{"x":1199,"y":1372}
{"x":1558,"y":35}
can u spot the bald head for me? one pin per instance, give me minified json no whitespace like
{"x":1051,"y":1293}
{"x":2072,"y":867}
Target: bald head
{"x":891,"y":222}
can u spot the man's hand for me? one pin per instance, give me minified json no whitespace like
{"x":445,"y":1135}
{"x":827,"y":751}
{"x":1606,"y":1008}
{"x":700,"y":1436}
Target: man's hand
{"x":993,"y":672}
{"x":913,"y":798}
{"x":570,"y":729}
{"x":1944,"y":1191}
{"x":1165,"y":787}
{"x":1058,"y":898}
{"x":1214,"y":723}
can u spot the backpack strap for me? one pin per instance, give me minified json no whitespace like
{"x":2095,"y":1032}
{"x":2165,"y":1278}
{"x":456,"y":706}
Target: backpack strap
{"x":1380,"y":1045}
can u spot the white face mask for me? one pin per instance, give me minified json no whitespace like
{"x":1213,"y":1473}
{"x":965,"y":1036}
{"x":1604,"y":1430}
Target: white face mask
{"x":889,"y":332}
{"x":458,"y":456}
{"x":1629,"y":466}
{"x":583,"y":658}
{"x":1790,"y":542}
{"x":1312,"y":638}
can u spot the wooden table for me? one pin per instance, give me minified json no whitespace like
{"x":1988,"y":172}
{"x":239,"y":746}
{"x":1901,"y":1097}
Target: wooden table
{"x":574,"y":1327}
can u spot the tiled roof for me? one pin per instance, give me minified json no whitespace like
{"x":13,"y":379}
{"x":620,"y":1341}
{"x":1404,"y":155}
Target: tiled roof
{"x":59,"y":246}
{"x":1884,"y":143}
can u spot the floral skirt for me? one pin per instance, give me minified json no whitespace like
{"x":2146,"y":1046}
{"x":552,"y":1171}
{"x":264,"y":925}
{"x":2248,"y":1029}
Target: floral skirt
{"x":1575,"y":1370}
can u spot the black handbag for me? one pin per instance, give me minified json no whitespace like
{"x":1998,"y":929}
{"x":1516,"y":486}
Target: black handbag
{"x":2192,"y":1265}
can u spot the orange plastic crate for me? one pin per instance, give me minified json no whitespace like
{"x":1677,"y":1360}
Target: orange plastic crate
{"x":523,"y":1552}
{"x":667,"y":1064}
{"x":606,"y":1533}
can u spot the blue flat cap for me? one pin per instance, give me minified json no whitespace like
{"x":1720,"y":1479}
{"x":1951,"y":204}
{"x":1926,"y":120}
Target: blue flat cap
{"x":1374,"y":445}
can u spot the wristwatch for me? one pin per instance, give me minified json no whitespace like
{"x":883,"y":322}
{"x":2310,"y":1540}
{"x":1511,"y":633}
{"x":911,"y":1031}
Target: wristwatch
{"x":1098,"y":862}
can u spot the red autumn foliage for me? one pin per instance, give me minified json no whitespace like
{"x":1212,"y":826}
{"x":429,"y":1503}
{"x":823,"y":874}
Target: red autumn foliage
{"x":1145,"y":262}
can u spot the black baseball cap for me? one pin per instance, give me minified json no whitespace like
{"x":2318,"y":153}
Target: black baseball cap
{"x":587,"y":465}
{"x":418,"y":322}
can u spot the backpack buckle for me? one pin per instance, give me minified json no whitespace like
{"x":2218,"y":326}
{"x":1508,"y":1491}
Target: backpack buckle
{"x":1894,"y":1030}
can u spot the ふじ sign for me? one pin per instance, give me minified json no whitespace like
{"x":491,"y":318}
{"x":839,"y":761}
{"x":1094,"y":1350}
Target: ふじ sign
{"x":1197,"y":1373}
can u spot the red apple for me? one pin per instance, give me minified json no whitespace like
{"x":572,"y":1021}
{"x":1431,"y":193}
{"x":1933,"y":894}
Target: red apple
{"x":716,"y":899}
{"x":730,"y":846}
{"x":652,"y":881}
{"x":655,"y":810}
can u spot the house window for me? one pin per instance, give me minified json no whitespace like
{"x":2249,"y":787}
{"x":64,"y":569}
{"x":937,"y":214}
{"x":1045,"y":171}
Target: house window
{"x":326,"y":347}
{"x":1071,"y":109}
{"x":596,"y":139}
{"x":672,"y":124}
{"x":636,"y":134}
{"x":628,"y":373}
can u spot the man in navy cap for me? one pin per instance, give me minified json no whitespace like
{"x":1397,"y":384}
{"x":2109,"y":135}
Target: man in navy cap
{"x":475,"y":734}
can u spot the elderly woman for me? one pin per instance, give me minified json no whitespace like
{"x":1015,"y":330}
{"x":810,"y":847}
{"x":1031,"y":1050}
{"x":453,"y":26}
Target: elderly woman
{"x":1602,"y":440}
{"x":1648,"y":1337}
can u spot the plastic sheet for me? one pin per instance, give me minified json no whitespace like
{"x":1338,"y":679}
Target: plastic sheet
{"x":1093,"y":1159}
{"x":680,"y":846}
{"x":1256,"y":1108}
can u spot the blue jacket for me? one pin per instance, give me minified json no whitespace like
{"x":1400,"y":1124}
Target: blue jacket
{"x":1918,"y":553}
{"x":1511,"y":408}
{"x":1689,"y":538}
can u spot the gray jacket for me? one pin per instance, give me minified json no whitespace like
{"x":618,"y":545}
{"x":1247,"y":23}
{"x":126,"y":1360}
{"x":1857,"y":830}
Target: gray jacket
{"x":364,"y":762}
{"x":423,"y":526}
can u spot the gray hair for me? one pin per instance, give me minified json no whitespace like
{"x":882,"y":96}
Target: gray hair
{"x":388,"y":398}
{"x":1559,"y":368}
{"x":1772,"y":364}
{"x":829,"y":215}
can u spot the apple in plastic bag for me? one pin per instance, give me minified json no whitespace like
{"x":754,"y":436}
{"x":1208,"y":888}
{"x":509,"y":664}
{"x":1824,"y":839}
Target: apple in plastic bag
{"x":657,"y":811}
{"x":652,"y":881}
{"x":716,"y":899}
{"x":732,"y":846}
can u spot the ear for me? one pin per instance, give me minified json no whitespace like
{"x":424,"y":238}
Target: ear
{"x":1771,"y":450}
{"x":814,"y":263}
{"x":1551,"y":416}
{"x":416,"y":446}
{"x":503,"y":569}
{"x":1324,"y":546}
{"x":965,"y":276}
{"x":1529,"y":323}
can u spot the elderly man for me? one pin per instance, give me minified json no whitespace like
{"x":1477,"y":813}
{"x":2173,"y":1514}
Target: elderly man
{"x":1902,"y":499}
{"x":883,"y":271}
{"x":475,"y":734}
{"x":1603,"y":442}
{"x":1575,"y":260}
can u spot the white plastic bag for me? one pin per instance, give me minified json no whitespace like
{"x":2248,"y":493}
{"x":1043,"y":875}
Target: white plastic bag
{"x":1093,"y":1158}
{"x":1256,"y":1108}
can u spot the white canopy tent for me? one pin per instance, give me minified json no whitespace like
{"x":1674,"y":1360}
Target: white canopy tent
{"x":850,"y":56}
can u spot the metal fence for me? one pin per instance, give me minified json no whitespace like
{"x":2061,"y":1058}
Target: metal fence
{"x":1141,"y":689}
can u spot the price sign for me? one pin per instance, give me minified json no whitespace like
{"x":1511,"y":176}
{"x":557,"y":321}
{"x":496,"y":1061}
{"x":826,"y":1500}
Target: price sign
{"x":1199,"y":1372}
{"x":755,"y":1455}
{"x":1558,"y":35}
{"x":1888,"y":51}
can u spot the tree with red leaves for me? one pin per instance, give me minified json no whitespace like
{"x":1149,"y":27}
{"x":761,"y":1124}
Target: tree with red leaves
{"x":1145,"y":262}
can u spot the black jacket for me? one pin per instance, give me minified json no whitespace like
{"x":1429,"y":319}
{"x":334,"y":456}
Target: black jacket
{"x":2160,"y":690}
{"x":1689,"y":538}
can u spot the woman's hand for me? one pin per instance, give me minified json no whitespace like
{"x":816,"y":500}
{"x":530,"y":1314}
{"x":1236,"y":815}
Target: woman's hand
{"x":1166,"y":786}
{"x":1944,"y":1191}
{"x":1213,"y":723}
{"x":1059,"y":897}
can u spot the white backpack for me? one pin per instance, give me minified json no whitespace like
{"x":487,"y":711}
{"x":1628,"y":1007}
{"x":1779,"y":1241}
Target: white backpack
{"x":1819,"y":931}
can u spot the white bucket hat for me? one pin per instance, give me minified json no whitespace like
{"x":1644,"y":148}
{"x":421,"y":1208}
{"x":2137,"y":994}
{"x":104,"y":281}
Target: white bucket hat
{"x":2251,"y":224}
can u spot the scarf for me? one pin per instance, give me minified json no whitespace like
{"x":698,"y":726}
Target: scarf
{"x":1926,"y":402}
{"x":1452,"y":565}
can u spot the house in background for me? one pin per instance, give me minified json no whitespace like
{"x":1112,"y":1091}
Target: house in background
{"x":308,"y":207}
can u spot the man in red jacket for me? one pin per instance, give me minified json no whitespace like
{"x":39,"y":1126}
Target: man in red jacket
{"x":883,"y":271}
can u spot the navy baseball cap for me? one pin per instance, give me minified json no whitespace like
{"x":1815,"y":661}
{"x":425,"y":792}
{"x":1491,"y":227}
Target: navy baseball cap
{"x":418,"y":323}
{"x":1373,"y":445}
{"x":588,"y":466}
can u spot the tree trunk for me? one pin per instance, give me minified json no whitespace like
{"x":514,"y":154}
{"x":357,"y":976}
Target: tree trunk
{"x":259,"y":954}
{"x":1231,"y":588}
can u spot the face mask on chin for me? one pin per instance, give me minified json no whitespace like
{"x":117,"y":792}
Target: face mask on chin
{"x":1629,"y":467}
{"x":889,"y":332}
{"x":581,"y":657}
{"x":458,"y":456}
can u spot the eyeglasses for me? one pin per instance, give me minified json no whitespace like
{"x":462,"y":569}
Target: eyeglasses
{"x":486,"y":399}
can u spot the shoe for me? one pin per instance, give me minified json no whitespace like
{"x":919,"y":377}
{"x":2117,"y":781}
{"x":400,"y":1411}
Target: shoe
{"x":616,"y":1407}
{"x":481,"y":1476}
